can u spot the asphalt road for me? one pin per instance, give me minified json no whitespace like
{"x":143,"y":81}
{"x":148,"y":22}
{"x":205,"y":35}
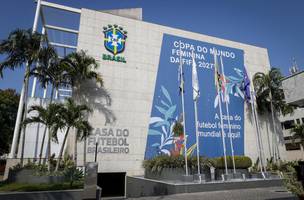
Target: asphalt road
{"x":270,"y":193}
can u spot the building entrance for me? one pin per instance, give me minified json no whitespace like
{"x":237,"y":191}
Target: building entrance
{"x":112,"y":184}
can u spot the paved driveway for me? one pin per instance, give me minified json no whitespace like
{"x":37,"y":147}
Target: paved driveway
{"x":270,"y":193}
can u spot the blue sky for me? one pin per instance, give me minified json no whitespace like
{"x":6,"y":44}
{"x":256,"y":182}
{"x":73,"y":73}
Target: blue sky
{"x":274,"y":24}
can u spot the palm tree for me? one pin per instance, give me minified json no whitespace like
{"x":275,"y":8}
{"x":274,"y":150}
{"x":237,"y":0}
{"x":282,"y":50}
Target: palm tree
{"x":298,"y":133}
{"x":50,"y":71}
{"x":74,"y":116}
{"x":50,"y":117}
{"x":270,"y":98}
{"x":81,"y":68}
{"x":21,"y":47}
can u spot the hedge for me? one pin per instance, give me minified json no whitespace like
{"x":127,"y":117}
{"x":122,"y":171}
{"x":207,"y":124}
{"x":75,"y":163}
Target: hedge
{"x":241,"y":162}
{"x":157,"y":163}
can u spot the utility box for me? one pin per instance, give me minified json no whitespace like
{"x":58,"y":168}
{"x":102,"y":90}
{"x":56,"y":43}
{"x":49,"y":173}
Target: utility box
{"x":91,"y":190}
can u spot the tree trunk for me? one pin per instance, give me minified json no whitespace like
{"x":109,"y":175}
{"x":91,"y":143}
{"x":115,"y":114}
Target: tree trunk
{"x":268,"y":139}
{"x":26,"y":82}
{"x":42,"y":145}
{"x":275,"y":142}
{"x":49,"y":150}
{"x":44,"y":132}
{"x":84,"y":152}
{"x":75,"y":150}
{"x":61,"y":149}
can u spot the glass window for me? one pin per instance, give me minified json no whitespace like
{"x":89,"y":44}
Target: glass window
{"x":292,"y":146}
{"x":288,"y":124}
{"x":298,"y":121}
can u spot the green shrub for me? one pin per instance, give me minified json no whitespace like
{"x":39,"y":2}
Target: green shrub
{"x":283,"y":166}
{"x":241,"y":162}
{"x":156,"y":164}
{"x":256,"y":166}
{"x":30,"y":165}
{"x":291,"y":183}
{"x":66,"y":162}
{"x":72,"y":174}
{"x":272,"y":165}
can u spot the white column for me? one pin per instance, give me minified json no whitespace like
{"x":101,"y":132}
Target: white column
{"x":45,"y":91}
{"x":22,"y":95}
{"x":18,"y":123}
{"x":35,"y":79}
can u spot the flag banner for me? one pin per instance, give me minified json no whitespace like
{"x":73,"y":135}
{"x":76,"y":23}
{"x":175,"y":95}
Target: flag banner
{"x":246,"y":87}
{"x":166,"y":106}
{"x":181,"y":79}
{"x":195,"y":86}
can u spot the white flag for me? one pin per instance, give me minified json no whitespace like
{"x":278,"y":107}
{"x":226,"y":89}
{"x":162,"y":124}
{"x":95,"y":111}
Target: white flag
{"x":195,"y":86}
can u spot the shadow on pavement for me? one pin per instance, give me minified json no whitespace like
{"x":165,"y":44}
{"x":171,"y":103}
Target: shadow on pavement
{"x":284,"y":198}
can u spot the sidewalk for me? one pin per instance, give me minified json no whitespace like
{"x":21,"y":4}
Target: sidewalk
{"x":270,"y":193}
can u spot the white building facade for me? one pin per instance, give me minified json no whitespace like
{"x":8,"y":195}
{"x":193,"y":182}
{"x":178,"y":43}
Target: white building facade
{"x":134,"y":113}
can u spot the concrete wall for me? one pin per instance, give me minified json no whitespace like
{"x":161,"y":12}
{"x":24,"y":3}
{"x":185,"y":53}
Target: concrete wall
{"x":139,"y":187}
{"x":132,"y":13}
{"x":293,"y":89}
{"x":297,"y":114}
{"x":50,"y":195}
{"x":131,"y":85}
{"x":34,"y":134}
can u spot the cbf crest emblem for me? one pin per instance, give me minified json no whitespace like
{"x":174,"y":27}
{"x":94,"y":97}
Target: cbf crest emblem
{"x":114,"y":39}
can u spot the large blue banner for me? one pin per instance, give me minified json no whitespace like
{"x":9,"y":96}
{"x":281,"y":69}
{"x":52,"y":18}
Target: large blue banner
{"x":167,"y":107}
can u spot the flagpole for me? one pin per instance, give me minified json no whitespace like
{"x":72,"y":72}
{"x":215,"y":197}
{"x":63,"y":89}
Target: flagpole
{"x":257,"y":133}
{"x":257,"y":126}
{"x":227,"y":111}
{"x":183,"y":107}
{"x":195,"y":97}
{"x":197,"y":140}
{"x":221,"y":115}
{"x":223,"y":134}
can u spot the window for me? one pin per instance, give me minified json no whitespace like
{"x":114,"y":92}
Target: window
{"x":298,"y":121}
{"x":287,"y":138}
{"x":292,"y":146}
{"x":288,"y":124}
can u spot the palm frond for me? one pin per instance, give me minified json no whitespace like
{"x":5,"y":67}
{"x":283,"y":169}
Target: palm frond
{"x":33,"y":120}
{"x":20,"y":47}
{"x":81,"y":67}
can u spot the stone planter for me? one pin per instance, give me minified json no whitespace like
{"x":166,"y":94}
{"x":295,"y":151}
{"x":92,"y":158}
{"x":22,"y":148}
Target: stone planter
{"x":172,"y":174}
{"x":175,"y":174}
{"x":204,"y":170}
{"x":256,"y":175}
{"x":27,"y":176}
{"x":219,"y":172}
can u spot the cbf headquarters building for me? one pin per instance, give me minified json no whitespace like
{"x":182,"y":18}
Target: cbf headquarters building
{"x":133,"y":115}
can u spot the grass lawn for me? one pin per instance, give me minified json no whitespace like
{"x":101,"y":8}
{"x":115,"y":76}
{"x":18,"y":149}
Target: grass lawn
{"x":21,"y":187}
